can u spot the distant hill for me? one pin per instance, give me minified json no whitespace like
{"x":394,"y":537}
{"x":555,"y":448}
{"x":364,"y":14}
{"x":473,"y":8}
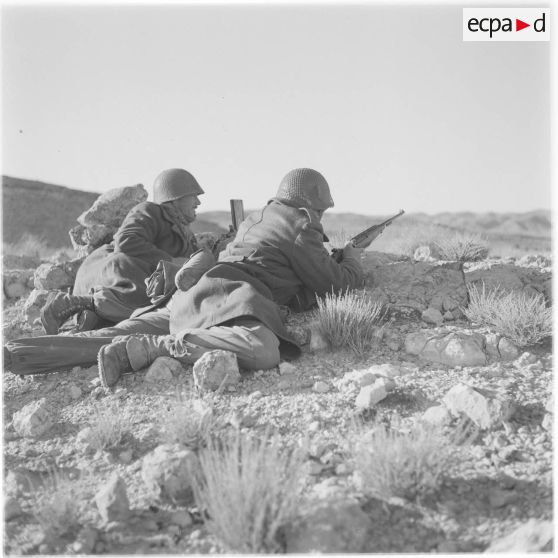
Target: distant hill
{"x":49,"y":211}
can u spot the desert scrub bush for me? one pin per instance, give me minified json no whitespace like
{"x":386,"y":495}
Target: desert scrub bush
{"x":28,"y":245}
{"x":189,"y":420}
{"x":523,"y":318}
{"x":405,"y":464}
{"x":349,"y":319}
{"x":249,"y":488}
{"x":56,"y":505}
{"x":462,"y":247}
{"x":107,"y":427}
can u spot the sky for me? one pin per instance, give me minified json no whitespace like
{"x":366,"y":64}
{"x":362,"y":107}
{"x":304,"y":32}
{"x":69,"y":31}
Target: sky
{"x":385,"y":100}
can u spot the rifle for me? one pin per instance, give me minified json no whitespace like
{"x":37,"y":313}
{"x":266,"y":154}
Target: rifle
{"x":364,"y":238}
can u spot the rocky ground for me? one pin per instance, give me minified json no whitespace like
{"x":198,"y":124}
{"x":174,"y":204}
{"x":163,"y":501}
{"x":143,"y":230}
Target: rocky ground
{"x":500,"y":481}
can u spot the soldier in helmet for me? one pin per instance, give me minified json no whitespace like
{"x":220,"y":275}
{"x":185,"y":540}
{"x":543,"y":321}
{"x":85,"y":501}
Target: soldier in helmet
{"x":277,"y":259}
{"x":110,"y":284}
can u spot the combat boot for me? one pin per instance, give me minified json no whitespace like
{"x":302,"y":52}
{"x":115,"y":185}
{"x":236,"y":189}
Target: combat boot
{"x":59,"y":307}
{"x":129,"y":354}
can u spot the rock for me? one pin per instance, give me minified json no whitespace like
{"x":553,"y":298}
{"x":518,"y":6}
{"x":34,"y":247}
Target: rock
{"x":17,"y":282}
{"x":387,"y":383}
{"x":549,"y":405}
{"x":329,"y":526}
{"x":32,"y":307}
{"x":56,"y":277}
{"x":86,"y":239}
{"x":34,"y":419}
{"x":532,"y":536}
{"x":167,"y":473}
{"x":483,"y":409}
{"x":287,"y":368}
{"x":547,"y":422}
{"x":318,"y":342}
{"x":370,"y":395}
{"x":181,"y":518}
{"x":449,"y":348}
{"x":498,"y":498}
{"x":320,"y":387}
{"x":534,"y":260}
{"x":111,"y":207}
{"x":85,"y":540}
{"x":448,"y":316}
{"x":507,"y":349}
{"x":112,"y":500}
{"x":163,"y":369}
{"x":436,"y":416}
{"x":432,"y":316}
{"x":509,"y":278}
{"x":215,"y":368}
{"x":11,"y":508}
{"x":387,"y":370}
{"x":525,"y":359}
{"x":74,"y":392}
{"x":417,"y":285}
{"x":423,"y":254}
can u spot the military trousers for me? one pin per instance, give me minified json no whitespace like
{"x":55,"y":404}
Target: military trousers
{"x":255,"y":345}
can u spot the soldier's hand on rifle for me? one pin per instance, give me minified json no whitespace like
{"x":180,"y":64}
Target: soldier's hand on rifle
{"x":349,"y":251}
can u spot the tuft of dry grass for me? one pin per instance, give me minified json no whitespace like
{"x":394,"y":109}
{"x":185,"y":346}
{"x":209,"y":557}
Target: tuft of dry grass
{"x":189,"y":420}
{"x":462,"y":247}
{"x":349,"y":319}
{"x":28,"y":245}
{"x":402,"y":464}
{"x":249,"y":488}
{"x":107,"y":427}
{"x":523,"y":318}
{"x":56,"y":505}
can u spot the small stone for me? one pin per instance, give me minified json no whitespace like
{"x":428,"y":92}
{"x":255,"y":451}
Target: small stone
{"x":499,"y":498}
{"x":369,"y":396}
{"x":387,"y":370}
{"x":387,"y":383}
{"x":315,"y":468}
{"x":318,"y":342}
{"x":436,"y":416}
{"x":255,"y":395}
{"x":320,"y":387}
{"x":342,"y":469}
{"x":432,"y":316}
{"x":163,"y":369}
{"x":74,"y":392}
{"x":126,"y":456}
{"x":33,"y":420}
{"x":393,"y":344}
{"x":547,"y":422}
{"x":95,"y":382}
{"x":112,"y":500}
{"x":85,"y":541}
{"x":287,"y":368}
{"x":448,"y":316}
{"x":216,"y":368}
{"x":423,"y":254}
{"x":314,"y":426}
{"x":181,"y":518}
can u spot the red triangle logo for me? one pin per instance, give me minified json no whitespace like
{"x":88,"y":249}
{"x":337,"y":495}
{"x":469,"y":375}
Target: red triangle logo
{"x":519,"y":25}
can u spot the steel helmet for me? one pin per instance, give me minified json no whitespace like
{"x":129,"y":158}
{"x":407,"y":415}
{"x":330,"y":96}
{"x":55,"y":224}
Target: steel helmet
{"x":305,"y":188}
{"x":172,"y":184}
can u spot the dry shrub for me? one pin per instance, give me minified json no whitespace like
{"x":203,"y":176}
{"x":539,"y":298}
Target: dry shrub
{"x":189,"y":420}
{"x":249,"y":488}
{"x":28,"y":245}
{"x":57,"y":505}
{"x":107,"y":427}
{"x":402,"y":464}
{"x":349,"y":319}
{"x":523,"y":318}
{"x":462,"y":247}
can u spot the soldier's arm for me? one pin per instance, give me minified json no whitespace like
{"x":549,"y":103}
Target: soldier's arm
{"x":317,"y":270}
{"x":137,"y":236}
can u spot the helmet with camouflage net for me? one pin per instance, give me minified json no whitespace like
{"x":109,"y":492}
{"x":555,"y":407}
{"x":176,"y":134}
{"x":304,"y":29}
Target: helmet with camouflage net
{"x":305,"y":188}
{"x":172,"y":184}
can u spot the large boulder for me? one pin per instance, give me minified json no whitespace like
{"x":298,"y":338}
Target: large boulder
{"x":452,"y":348}
{"x":86,"y":239}
{"x":509,"y":277}
{"x":111,"y":207}
{"x":416,"y":285}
